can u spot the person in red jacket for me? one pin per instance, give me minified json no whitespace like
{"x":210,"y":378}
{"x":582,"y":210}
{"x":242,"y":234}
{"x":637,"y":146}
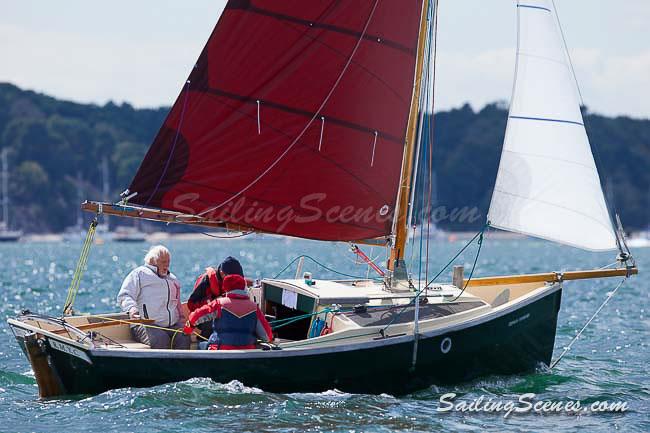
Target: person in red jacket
{"x":237,"y":322}
{"x":208,"y":285}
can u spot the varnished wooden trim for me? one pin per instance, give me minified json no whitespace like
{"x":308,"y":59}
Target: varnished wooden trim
{"x":551,"y":277}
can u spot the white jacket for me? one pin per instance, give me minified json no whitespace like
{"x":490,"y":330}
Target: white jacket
{"x":161,"y":295}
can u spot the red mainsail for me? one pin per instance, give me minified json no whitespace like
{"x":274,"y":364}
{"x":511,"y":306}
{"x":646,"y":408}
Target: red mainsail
{"x":293,"y":120}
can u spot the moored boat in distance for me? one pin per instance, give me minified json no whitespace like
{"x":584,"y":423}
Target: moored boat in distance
{"x":6,"y":235}
{"x":9,"y":235}
{"x":321,"y":132}
{"x":639,"y":239}
{"x":128,"y":234}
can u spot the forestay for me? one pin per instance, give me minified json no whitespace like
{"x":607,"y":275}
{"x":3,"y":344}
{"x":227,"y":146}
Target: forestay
{"x":548,"y":185}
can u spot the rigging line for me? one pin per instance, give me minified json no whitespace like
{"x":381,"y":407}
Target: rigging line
{"x":409,"y":266}
{"x":610,"y":295}
{"x":434,"y":39}
{"x":610,"y":265}
{"x":566,"y":50}
{"x":259,"y":125}
{"x":510,"y":108}
{"x":348,"y":172}
{"x":357,"y":64}
{"x":471,"y":274}
{"x":358,"y":262}
{"x":422,"y":126}
{"x":319,"y":23}
{"x":210,"y":235}
{"x":146,"y":325}
{"x":241,"y":235}
{"x":171,"y":152}
{"x":81,"y":267}
{"x":593,"y":146}
{"x":372,"y":249}
{"x":319,"y":264}
{"x":470,"y":242}
{"x":300,"y":135}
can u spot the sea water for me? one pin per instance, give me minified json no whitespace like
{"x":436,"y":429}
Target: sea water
{"x":610,"y":362}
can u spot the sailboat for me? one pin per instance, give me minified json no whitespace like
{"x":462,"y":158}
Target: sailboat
{"x":6,"y":235}
{"x":305,"y":119}
{"x":128,"y":234}
{"x":76,"y":232}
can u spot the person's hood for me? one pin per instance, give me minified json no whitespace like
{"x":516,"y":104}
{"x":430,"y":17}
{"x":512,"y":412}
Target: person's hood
{"x":233,"y":282}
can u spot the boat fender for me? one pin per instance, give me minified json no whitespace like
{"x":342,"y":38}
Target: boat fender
{"x":316,"y":328}
{"x":445,"y":345}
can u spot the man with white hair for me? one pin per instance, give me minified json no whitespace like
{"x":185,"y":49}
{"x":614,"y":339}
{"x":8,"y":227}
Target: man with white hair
{"x":152,"y":292}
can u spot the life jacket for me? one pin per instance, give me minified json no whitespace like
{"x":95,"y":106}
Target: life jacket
{"x":232,"y":330}
{"x":236,"y":320}
{"x":205,"y":292}
{"x":215,"y":287}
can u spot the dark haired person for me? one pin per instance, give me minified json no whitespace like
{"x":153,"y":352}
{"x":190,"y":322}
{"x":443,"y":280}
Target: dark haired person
{"x":209,"y":286}
{"x":235,"y":322}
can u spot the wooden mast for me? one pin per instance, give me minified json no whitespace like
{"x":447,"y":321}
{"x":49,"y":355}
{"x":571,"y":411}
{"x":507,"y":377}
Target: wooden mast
{"x":400,"y":229}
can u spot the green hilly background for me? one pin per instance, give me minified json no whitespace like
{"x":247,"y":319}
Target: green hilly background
{"x":51,"y":142}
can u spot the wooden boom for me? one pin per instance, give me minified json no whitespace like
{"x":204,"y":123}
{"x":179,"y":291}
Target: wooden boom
{"x":168,"y":216}
{"x":551,"y":277}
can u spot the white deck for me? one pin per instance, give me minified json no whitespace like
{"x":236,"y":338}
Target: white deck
{"x":329,"y":292}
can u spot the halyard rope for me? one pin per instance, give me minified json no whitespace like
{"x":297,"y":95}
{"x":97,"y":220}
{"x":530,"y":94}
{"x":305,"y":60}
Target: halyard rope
{"x":81,"y":267}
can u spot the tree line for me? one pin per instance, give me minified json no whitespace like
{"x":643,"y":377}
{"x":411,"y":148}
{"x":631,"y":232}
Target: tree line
{"x":56,"y":148}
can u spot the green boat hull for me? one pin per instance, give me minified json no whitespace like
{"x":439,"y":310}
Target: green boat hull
{"x":515,"y":342}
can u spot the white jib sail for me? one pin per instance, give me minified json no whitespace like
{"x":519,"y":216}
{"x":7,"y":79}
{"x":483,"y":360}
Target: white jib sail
{"x":547,"y":185}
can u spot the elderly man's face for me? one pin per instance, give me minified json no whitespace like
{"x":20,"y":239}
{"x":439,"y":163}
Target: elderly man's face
{"x":163,"y":265}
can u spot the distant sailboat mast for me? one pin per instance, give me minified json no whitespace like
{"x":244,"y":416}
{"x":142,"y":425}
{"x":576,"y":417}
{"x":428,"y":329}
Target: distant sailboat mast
{"x":105,"y":189}
{"x":80,"y":196}
{"x":5,"y":189}
{"x":105,"y":180}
